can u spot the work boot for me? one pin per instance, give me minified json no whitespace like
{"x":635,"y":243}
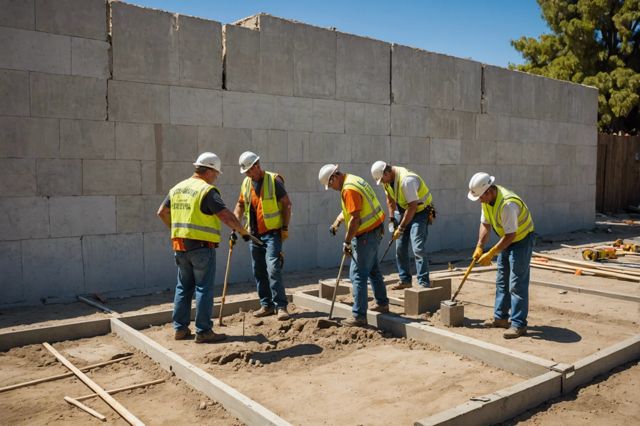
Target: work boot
{"x":496,"y":323}
{"x":264,"y":311}
{"x":283,"y":314}
{"x":355,"y":322}
{"x":400,"y":286}
{"x":383,"y":309}
{"x":182,"y":333}
{"x":210,"y":337}
{"x":515,"y":332}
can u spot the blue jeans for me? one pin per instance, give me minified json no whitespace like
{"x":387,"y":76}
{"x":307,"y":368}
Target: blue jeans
{"x":512,"y":282}
{"x":267,"y":270}
{"x":415,"y":235}
{"x":196,"y":272}
{"x":364,"y":266}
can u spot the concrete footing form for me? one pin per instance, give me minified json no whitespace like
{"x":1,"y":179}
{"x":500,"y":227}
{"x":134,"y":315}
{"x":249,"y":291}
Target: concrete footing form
{"x":543,"y":379}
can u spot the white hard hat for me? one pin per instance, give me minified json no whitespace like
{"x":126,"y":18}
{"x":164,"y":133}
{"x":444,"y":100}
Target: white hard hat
{"x":377,"y":170}
{"x":247,"y":160}
{"x":479,"y":184}
{"x":210,"y":160}
{"x":325,"y":173}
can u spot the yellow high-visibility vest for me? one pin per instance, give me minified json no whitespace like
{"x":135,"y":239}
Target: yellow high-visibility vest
{"x":396,"y":194}
{"x":371,"y":210}
{"x":493,"y":213}
{"x":187,"y":220}
{"x":268,"y":206}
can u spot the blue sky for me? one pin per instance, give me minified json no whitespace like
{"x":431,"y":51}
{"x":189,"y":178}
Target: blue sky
{"x":476,"y":29}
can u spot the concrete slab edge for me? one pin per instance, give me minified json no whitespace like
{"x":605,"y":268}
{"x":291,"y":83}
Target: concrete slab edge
{"x":505,"y":359}
{"x":500,"y":405}
{"x":568,"y":287}
{"x":55,"y":333}
{"x":247,"y":410}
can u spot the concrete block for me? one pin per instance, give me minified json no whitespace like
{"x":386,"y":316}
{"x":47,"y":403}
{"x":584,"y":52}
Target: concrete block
{"x":324,"y":206}
{"x":314,"y":62}
{"x":177,"y":143}
{"x":490,"y":127}
{"x":81,"y":18}
{"x":11,"y":277}
{"x":29,"y":137}
{"x":409,"y":121}
{"x":159,"y":267}
{"x":406,"y":150}
{"x":445,"y":151}
{"x":300,"y":250}
{"x":420,"y":300}
{"x":298,"y":177}
{"x":367,"y":119}
{"x":14,"y":92}
{"x":409,"y":82}
{"x":586,"y":155}
{"x":57,"y":259}
{"x":135,"y":141}
{"x":34,"y":51}
{"x":77,"y":216}
{"x":111,"y":177}
{"x":66,"y":96}
{"x":445,"y":284}
{"x":498,"y":89}
{"x":452,"y":316}
{"x":17,"y":177}
{"x":23,"y":218}
{"x":59,"y":177}
{"x":363,"y":69}
{"x":441,"y":72}
{"x":113,"y":262}
{"x":242,"y":58}
{"x":471,"y":152}
{"x":145,"y":44}
{"x":509,"y":153}
{"x":136,"y":213}
{"x":467,"y":85}
{"x":228,"y":144}
{"x":18,"y":14}
{"x":369,"y":149}
{"x":170,"y":173}
{"x":296,"y":141}
{"x":136,"y":102}
{"x":547,"y":98}
{"x":276,"y":55}
{"x":443,"y":124}
{"x":248,"y":110}
{"x":328,"y":116}
{"x":327,"y":148}
{"x":523,"y":95}
{"x":90,"y":58}
{"x":293,"y":113}
{"x":327,"y":288}
{"x":87,"y":139}
{"x":300,"y":202}
{"x":277,"y":145}
{"x":329,"y":251}
{"x":200,"y":52}
{"x":150,"y":178}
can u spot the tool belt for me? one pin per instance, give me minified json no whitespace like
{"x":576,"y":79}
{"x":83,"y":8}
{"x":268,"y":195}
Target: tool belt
{"x":431,"y":213}
{"x":186,"y":244}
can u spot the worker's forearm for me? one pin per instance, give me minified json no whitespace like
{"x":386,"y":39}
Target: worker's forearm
{"x":286,"y":210}
{"x":230,"y":220}
{"x":409,"y":213}
{"x":238,"y":211}
{"x":352,"y":228}
{"x":505,"y":241}
{"x":483,"y":234}
{"x":391,"y":206}
{"x":164,"y":214}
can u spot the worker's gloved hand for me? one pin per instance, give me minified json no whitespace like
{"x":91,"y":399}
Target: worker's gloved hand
{"x":397,"y":234}
{"x":334,"y":228}
{"x":393,"y":224}
{"x":485,"y":259}
{"x":233,"y":239}
{"x":477,"y":253}
{"x":346,"y":249}
{"x":284,"y":233}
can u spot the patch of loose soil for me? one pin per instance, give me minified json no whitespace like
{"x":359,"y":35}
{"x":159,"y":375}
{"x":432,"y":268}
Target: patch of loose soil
{"x":309,"y":370}
{"x":168,"y":403}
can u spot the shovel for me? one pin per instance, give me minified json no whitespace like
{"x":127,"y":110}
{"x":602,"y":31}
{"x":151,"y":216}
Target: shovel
{"x":226,"y":280}
{"x":453,"y":302}
{"x":335,"y":289}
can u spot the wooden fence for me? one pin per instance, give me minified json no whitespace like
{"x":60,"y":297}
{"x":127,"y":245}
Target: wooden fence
{"x":618,"y":173}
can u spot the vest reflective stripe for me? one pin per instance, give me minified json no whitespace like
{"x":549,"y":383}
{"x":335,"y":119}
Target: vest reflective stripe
{"x":371,"y":210}
{"x":187,"y":220}
{"x":424,"y":195}
{"x":494,"y":213}
{"x":271,"y":210}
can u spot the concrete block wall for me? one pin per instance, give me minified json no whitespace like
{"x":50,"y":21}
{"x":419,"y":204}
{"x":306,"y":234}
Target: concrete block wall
{"x":105,"y":106}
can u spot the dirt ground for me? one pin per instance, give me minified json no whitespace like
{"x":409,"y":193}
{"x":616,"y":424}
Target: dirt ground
{"x":352,"y":376}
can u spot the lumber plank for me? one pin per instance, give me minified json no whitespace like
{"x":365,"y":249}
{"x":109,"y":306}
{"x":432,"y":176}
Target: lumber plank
{"x":122,"y":389}
{"x":591,"y":267}
{"x":83,"y":407}
{"x":119,"y":408}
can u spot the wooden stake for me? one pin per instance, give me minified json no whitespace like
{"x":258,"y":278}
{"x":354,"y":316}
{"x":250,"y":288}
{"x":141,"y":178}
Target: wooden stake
{"x":592,"y":267}
{"x":124,"y":413}
{"x":61,"y":376}
{"x":112,"y":391}
{"x":89,"y":410}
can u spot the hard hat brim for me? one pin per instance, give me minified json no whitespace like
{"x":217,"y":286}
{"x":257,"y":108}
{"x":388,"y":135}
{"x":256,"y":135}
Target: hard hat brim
{"x":245,"y":169}
{"x":326,"y":187}
{"x":476,"y":198}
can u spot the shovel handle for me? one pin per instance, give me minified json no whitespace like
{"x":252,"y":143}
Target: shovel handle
{"x":335,"y":289}
{"x":464,"y":278}
{"x":226,"y":280}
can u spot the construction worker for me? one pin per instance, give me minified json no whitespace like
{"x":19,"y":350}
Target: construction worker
{"x":266,"y":208}
{"x":193,"y":211}
{"x":410,"y":212}
{"x":510,"y":218}
{"x":363,"y":215}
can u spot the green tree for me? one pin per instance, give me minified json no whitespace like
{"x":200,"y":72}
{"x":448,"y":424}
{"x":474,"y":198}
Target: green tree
{"x":593,"y":42}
